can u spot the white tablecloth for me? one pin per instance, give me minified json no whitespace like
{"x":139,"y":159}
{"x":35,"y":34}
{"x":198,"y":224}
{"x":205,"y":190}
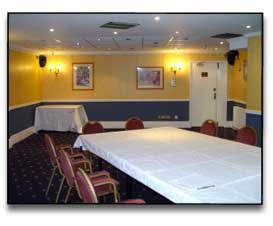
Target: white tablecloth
{"x":183,"y":166}
{"x":60,"y":118}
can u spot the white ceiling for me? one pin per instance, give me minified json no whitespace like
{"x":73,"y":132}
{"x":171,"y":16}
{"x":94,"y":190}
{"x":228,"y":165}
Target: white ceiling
{"x":31,"y":31}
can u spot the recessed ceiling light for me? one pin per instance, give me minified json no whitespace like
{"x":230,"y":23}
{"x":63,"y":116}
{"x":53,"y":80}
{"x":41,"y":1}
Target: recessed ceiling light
{"x":177,"y":32}
{"x":51,"y":29}
{"x":248,"y":26}
{"x":221,"y":43}
{"x":57,"y":40}
{"x":98,"y":39}
{"x":157,"y":18}
{"x":115,"y":32}
{"x":78,"y":43}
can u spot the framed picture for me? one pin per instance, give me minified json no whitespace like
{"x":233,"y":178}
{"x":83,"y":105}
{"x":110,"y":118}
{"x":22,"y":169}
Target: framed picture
{"x":150,"y":77}
{"x":83,"y":76}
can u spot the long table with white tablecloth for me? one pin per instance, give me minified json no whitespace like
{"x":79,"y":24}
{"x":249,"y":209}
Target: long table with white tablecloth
{"x":181,"y":165}
{"x":60,"y":118}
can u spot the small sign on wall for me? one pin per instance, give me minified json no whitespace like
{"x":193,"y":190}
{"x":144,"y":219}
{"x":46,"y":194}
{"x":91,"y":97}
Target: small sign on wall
{"x":173,"y":82}
{"x":204,"y":74}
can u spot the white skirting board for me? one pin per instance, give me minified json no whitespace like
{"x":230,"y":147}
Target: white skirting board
{"x":15,"y":138}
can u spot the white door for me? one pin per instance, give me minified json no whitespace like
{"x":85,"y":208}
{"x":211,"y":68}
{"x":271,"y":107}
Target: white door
{"x":208,"y":92}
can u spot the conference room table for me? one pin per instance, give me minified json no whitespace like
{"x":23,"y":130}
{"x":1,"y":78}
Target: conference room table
{"x":181,"y":165}
{"x":62,"y":118}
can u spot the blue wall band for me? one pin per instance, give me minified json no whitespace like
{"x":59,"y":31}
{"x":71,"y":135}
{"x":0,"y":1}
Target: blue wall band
{"x":146,"y":110}
{"x":23,"y":118}
{"x":255,"y":121}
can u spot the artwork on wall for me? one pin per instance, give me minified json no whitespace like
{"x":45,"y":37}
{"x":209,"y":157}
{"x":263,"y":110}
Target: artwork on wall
{"x":150,"y":77}
{"x":83,"y":76}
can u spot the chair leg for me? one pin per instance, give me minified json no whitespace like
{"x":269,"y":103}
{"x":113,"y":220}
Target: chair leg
{"x":60,"y":189}
{"x":50,"y":181}
{"x":78,"y":190}
{"x":67,"y":194}
{"x":104,"y":199}
{"x":118,"y":197}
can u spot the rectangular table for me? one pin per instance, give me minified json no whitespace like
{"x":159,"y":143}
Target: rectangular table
{"x":183,"y":166}
{"x":60,"y":118}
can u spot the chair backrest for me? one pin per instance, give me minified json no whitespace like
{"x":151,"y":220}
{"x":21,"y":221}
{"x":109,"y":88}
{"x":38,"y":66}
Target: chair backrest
{"x":92,"y":127}
{"x":134,"y":123}
{"x":51,"y":150}
{"x":247,"y":135}
{"x":86,"y":187}
{"x":209,"y":127}
{"x":67,"y":168}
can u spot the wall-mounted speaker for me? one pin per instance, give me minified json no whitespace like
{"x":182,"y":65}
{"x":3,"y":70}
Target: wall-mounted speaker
{"x":42,"y":60}
{"x":231,"y":56}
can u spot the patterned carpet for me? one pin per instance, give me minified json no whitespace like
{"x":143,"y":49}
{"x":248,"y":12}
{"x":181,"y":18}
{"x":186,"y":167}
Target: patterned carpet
{"x":29,"y":171}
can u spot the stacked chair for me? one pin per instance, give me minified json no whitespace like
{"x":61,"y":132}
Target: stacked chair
{"x":63,"y":158}
{"x":52,"y":151}
{"x":103,"y":183}
{"x":89,"y":193}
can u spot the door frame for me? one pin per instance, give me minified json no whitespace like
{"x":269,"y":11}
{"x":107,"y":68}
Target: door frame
{"x":222,"y":121}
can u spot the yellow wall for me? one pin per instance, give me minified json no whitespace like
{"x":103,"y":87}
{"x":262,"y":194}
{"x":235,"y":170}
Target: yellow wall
{"x":24,"y":78}
{"x":254,"y":83}
{"x":237,"y":84}
{"x":115,"y":76}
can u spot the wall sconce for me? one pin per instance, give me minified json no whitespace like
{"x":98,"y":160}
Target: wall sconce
{"x":175,"y":68}
{"x":56,"y":69}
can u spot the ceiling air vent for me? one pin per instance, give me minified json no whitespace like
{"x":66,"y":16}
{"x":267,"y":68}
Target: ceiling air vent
{"x":226,"y":36}
{"x":119,"y":25}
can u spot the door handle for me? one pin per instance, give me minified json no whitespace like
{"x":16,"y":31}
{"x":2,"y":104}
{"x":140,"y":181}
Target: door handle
{"x":214,"y":96}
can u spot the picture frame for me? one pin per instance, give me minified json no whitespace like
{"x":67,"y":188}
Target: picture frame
{"x":83,"y":76}
{"x":150,"y":77}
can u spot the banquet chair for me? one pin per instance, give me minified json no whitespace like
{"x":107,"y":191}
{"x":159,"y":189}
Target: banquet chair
{"x":246,"y":135}
{"x":209,"y":127}
{"x":134,"y":123}
{"x":89,"y":193}
{"x":92,"y":127}
{"x":52,"y":151}
{"x":99,"y":177}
